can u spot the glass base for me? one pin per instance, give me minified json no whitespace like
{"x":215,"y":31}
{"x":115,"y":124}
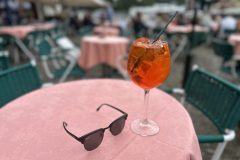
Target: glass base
{"x":145,"y":127}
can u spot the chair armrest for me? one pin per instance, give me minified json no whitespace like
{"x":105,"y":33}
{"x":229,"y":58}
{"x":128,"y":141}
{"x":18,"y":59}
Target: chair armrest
{"x":4,"y":54}
{"x":178,"y":91}
{"x":229,"y":136}
{"x":45,"y":85}
{"x":210,"y":138}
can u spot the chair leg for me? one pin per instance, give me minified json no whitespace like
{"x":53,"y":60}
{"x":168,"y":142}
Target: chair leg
{"x":182,"y":100}
{"x":24,"y":49}
{"x":62,"y":62}
{"x":16,"y":55}
{"x":47,"y":70}
{"x":68,"y":70}
{"x":233,"y":69}
{"x":56,"y":64}
{"x":120,"y":69}
{"x":179,"y":49}
{"x":219,"y":151}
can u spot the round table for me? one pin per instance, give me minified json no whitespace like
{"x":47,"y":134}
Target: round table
{"x":43,"y":26}
{"x":17,"y":31}
{"x":96,"y":50}
{"x":31,"y":126}
{"x":234,"y":39}
{"x":106,"y":31}
{"x":186,"y":29}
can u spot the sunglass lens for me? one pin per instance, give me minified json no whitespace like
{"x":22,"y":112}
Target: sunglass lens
{"x":117,"y":126}
{"x":92,"y":141}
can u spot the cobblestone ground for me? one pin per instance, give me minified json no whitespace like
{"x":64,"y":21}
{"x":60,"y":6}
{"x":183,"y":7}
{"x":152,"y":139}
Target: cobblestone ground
{"x":204,"y":57}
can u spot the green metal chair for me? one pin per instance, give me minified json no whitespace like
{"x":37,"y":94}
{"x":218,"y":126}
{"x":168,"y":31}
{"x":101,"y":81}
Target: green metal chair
{"x":5,"y":40}
{"x":86,"y":30}
{"x":225,"y":51}
{"x":198,"y":39}
{"x":218,"y":100}
{"x":18,"y":81}
{"x":31,"y":39}
{"x":4,"y":60}
{"x":65,"y":62}
{"x":72,"y":53}
{"x":229,"y":32}
{"x":48,"y":54}
{"x":4,"y":56}
{"x":60,"y":30}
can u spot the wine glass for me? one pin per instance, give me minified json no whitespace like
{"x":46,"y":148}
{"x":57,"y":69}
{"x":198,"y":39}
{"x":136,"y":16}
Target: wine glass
{"x":148,"y":67}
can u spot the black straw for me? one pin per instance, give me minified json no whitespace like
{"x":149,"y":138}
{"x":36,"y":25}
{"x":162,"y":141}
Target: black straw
{"x":163,"y":30}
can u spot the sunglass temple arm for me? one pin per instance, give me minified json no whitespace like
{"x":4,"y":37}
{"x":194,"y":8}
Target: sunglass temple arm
{"x":72,"y":135}
{"x":111,"y":107}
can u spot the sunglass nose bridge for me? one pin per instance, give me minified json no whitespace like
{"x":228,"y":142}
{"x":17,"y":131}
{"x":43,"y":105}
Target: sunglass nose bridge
{"x":106,"y":128}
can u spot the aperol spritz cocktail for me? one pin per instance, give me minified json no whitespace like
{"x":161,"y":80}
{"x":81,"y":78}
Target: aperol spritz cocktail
{"x":148,"y":67}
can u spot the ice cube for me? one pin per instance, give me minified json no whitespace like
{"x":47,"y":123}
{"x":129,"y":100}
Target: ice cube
{"x":158,"y":43}
{"x":160,"y":48}
{"x":149,"y":55}
{"x":145,"y":66}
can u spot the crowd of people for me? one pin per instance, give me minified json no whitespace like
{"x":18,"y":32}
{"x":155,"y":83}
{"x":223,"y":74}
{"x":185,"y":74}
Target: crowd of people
{"x":219,"y":25}
{"x":106,"y":14}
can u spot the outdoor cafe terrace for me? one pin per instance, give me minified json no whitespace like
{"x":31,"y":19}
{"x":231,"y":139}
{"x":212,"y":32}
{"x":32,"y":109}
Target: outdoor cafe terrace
{"x":120,"y":79}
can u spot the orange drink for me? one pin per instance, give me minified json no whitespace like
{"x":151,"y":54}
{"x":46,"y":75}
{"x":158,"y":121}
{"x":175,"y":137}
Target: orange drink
{"x":148,"y":64}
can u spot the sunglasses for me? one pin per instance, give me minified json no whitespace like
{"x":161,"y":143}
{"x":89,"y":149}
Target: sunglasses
{"x":93,"y":139}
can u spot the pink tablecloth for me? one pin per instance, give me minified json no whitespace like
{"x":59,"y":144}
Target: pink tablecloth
{"x":31,"y":126}
{"x":96,"y":50}
{"x":234,"y":39}
{"x":106,"y":30}
{"x":43,"y":26}
{"x":17,"y":31}
{"x":185,"y":29}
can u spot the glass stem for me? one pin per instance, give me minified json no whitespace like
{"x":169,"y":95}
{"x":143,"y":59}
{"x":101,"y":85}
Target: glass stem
{"x":146,"y":99}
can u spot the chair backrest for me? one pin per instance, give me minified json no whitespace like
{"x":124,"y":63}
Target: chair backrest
{"x":228,"y":32}
{"x":65,"y":43}
{"x":223,"y":49}
{"x":44,"y":47}
{"x":85,"y":30}
{"x":4,"y":60}
{"x":198,"y":38}
{"x":60,"y":29}
{"x":32,"y":38}
{"x":5,"y":41}
{"x":218,"y":99}
{"x":17,"y":81}
{"x":4,"y":56}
